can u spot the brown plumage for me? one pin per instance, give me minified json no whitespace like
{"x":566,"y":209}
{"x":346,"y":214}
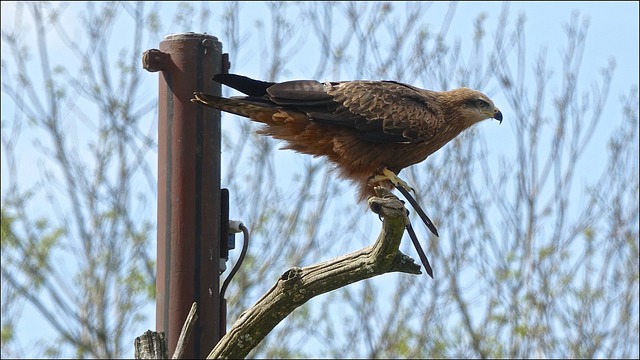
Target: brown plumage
{"x":360,"y":126}
{"x":369,"y":129}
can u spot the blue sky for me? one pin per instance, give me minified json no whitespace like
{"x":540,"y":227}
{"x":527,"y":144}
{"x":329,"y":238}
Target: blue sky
{"x":613,"y":34}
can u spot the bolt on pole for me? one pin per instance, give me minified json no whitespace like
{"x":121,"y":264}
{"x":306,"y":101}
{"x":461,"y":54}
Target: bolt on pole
{"x":188,"y":189}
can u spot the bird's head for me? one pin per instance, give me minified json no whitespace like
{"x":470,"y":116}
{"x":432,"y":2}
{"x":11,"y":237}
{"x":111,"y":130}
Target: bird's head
{"x":474,"y":105}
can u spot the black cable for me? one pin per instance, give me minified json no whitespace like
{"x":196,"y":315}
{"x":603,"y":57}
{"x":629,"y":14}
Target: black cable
{"x":245,"y":245}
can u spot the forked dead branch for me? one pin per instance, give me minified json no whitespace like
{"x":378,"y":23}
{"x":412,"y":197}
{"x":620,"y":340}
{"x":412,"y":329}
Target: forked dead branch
{"x":296,"y":286}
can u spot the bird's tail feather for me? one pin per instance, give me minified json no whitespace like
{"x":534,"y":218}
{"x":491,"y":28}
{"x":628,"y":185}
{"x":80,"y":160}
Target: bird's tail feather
{"x":250,"y":109}
{"x":244,"y":84}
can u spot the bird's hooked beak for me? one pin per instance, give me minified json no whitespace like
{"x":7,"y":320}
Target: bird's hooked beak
{"x":497,"y":114}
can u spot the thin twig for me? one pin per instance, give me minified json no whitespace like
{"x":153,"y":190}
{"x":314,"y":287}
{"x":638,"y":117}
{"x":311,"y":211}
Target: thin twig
{"x":186,"y":331}
{"x":421,"y":254}
{"x":417,"y":207}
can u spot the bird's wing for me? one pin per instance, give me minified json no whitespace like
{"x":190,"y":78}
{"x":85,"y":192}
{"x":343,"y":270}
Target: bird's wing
{"x":378,"y":111}
{"x":390,"y":109}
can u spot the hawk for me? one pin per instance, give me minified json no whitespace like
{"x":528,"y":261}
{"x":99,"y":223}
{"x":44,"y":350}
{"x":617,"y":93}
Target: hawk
{"x":370,"y":130}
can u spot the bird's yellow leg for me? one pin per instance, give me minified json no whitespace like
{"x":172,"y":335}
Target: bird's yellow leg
{"x":391,"y":176}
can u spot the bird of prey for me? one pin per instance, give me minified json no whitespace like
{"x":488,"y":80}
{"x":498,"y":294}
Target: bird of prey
{"x":370,"y":130}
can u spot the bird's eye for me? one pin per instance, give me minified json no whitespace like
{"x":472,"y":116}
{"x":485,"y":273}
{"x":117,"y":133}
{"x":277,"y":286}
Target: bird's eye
{"x":482,"y":104}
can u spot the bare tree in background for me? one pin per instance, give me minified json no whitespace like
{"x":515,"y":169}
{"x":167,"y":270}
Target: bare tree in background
{"x":522,"y":270}
{"x":88,"y":269}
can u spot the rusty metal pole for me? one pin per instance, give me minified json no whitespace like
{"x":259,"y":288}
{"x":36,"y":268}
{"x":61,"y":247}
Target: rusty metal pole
{"x":188,"y":189}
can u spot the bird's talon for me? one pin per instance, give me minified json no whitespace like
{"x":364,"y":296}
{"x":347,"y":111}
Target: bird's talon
{"x":395,"y":180}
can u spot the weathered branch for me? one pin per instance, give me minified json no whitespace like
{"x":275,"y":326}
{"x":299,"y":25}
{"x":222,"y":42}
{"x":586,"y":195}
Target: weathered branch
{"x":151,"y":345}
{"x":183,"y":339}
{"x":298,"y":285}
